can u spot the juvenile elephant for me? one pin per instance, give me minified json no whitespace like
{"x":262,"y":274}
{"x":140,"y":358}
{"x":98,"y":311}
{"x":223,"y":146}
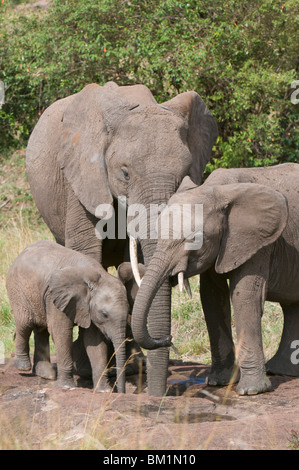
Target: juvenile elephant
{"x":51,"y":288}
{"x":109,"y":143}
{"x":250,"y":237}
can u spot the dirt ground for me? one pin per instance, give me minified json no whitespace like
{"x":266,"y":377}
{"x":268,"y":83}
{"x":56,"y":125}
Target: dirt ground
{"x":35,"y":414}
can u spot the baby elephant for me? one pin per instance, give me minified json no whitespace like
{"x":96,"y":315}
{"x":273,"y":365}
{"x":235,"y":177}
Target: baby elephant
{"x":51,"y":288}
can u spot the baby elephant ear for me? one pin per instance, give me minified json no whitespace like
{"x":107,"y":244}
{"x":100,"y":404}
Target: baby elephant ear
{"x":70,"y":292}
{"x":255,"y":216}
{"x":126,"y":276}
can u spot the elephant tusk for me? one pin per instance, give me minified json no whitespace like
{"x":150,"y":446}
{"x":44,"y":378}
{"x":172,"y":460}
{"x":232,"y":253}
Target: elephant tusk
{"x":181,"y":281}
{"x":188,"y":288}
{"x":134,"y":260}
{"x":184,"y":283}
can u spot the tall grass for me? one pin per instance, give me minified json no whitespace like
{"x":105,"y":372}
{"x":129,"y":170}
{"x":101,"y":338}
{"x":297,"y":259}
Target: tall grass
{"x":190,"y":333}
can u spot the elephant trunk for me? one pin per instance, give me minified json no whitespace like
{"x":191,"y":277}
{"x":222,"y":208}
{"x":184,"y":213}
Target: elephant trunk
{"x":159,"y":326}
{"x":159,"y":318}
{"x":153,"y":282}
{"x":119,"y":344}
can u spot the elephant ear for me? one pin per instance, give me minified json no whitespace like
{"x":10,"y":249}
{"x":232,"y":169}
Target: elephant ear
{"x":126,"y":276}
{"x":256,"y":216}
{"x":202,"y":130}
{"x":88,"y":125}
{"x":70,"y":289}
{"x":186,"y":185}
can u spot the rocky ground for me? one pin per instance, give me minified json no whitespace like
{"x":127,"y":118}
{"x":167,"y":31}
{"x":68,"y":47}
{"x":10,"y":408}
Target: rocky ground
{"x":35,"y":414}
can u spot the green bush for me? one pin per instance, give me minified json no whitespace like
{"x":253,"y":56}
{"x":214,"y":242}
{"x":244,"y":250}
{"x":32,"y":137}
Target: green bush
{"x":240,"y":56}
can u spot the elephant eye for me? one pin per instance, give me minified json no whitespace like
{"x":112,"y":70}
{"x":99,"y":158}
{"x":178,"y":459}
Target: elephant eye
{"x":125,"y":173}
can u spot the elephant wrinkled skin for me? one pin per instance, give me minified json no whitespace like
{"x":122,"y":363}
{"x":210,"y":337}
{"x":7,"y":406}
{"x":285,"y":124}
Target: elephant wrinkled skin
{"x":250,"y":237}
{"x":108,"y":142}
{"x":50,"y":289}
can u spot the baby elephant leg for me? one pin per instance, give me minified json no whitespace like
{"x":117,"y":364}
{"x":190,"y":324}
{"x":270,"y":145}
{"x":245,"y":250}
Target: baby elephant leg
{"x":81,"y":361}
{"x":22,"y":315}
{"x":61,"y":330}
{"x":97,"y":351}
{"x":42,"y":364}
{"x":22,"y":360}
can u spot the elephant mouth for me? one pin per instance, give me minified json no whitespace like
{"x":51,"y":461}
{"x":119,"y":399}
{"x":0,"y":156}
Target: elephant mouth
{"x":176,"y":277}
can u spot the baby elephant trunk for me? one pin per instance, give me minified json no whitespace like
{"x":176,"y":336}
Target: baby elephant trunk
{"x":119,"y":343}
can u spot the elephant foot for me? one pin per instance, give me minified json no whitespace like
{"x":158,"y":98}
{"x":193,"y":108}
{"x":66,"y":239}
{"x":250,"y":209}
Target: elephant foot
{"x":101,"y":382}
{"x":103,"y":387}
{"x":284,"y":364}
{"x":65,"y":382}
{"x":45,"y":370}
{"x":251,"y":385}
{"x":222,"y":377}
{"x":23,"y":363}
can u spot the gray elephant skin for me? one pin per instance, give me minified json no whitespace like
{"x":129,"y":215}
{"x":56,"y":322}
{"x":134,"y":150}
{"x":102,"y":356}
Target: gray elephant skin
{"x":50,"y":289}
{"x":108,"y":142}
{"x":250,"y":238}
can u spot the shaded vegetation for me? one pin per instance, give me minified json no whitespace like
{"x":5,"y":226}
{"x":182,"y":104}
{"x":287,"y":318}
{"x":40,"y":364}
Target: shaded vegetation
{"x":240,"y":56}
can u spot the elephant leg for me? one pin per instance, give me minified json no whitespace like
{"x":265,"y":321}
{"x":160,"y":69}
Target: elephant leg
{"x":97,"y":350}
{"x":81,"y":362}
{"x":41,"y":363}
{"x":215,"y":300}
{"x":248,"y":290}
{"x":61,"y":330}
{"x":22,"y":360}
{"x":285,"y":361}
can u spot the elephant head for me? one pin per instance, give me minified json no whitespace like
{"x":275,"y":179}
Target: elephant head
{"x":87,"y":296}
{"x":238,"y":221}
{"x":118,"y":141}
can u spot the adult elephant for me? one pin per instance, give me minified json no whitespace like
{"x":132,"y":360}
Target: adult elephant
{"x":103,"y":143}
{"x":250,"y":238}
